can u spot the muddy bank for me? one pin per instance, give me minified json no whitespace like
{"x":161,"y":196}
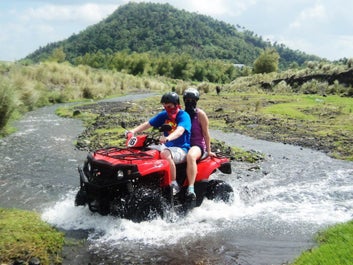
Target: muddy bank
{"x":106,"y":130}
{"x":106,"y":125}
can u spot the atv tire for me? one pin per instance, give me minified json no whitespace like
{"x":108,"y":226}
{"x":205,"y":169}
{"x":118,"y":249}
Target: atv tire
{"x":146,"y":205}
{"x":81,"y":198}
{"x":219,"y":190}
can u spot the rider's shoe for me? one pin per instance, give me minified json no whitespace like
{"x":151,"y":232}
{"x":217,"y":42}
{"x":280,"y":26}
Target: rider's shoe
{"x":175,"y":188}
{"x":190,"y":195}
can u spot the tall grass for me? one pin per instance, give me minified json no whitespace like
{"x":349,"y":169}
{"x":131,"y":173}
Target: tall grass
{"x":7,"y":102}
{"x":24,"y":88}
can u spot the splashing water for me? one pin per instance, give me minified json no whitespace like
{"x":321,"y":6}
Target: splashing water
{"x":282,"y":211}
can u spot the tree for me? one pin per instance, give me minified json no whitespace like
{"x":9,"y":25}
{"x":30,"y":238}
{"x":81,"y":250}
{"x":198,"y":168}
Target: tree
{"x":267,"y":61}
{"x":58,"y":55}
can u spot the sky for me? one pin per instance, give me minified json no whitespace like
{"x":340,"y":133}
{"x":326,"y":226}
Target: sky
{"x":318,"y":27}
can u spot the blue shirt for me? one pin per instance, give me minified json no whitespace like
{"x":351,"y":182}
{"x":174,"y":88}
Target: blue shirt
{"x":183,"y":120}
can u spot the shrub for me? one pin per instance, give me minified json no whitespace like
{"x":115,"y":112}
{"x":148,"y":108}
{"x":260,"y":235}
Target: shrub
{"x":282,"y":87}
{"x":267,"y":62}
{"x":205,"y":87}
{"x":350,"y":92}
{"x":7,"y":102}
{"x":310,"y":87}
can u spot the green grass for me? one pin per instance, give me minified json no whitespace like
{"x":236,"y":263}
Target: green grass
{"x":111,"y":136}
{"x":23,"y":235}
{"x":299,"y":119}
{"x":309,"y":108}
{"x":288,"y":110}
{"x":335,"y":247}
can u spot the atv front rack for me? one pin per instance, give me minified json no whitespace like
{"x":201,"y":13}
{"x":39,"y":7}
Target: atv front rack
{"x":128,"y":154}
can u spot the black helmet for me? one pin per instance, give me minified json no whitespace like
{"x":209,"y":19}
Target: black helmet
{"x":170,"y":97}
{"x":191,"y":93}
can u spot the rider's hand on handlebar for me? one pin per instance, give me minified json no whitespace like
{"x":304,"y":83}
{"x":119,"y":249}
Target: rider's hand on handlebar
{"x":128,"y":134}
{"x":212,"y":154}
{"x":163,"y":139}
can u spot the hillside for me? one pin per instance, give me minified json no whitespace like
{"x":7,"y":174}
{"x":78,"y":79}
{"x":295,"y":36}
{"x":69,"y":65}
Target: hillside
{"x":161,"y":28}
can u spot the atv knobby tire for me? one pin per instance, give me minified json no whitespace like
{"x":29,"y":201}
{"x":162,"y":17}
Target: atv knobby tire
{"x":146,"y":205}
{"x":81,"y":198}
{"x":219,"y":190}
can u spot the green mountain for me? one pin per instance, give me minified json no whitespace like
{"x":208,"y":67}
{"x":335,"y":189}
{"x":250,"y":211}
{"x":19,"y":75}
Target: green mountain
{"x":161,"y":28}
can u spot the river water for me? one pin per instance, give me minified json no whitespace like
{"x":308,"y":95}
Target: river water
{"x":277,"y":210}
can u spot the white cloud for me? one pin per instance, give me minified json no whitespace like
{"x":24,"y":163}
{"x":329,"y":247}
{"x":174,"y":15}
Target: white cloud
{"x":27,"y":28}
{"x":215,"y":7}
{"x":218,"y":8}
{"x":341,"y":45}
{"x":307,"y":17}
{"x":87,"y":13}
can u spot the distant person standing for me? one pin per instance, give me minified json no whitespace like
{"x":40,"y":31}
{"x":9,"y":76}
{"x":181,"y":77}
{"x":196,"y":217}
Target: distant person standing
{"x":218,"y":90}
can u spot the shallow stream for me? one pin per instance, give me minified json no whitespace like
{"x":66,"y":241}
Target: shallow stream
{"x":278,"y":206}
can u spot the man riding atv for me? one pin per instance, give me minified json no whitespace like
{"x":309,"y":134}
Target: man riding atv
{"x":177,"y":140}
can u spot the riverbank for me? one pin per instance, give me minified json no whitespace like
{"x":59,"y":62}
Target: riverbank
{"x":103,"y":126}
{"x":26,"y":239}
{"x":320,"y":123}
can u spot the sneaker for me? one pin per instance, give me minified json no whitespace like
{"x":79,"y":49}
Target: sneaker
{"x":175,"y":188}
{"x":190,"y":195}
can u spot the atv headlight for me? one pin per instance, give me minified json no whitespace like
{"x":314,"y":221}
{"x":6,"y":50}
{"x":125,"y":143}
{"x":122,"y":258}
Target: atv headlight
{"x":120,"y":174}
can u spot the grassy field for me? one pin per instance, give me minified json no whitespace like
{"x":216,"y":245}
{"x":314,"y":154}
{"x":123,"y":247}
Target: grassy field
{"x":335,"y":247}
{"x":322,"y":123}
{"x":24,"y":236}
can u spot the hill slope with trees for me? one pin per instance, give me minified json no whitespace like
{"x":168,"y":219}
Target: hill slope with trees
{"x":161,"y":28}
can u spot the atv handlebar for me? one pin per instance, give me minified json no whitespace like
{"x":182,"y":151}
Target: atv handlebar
{"x":145,"y":139}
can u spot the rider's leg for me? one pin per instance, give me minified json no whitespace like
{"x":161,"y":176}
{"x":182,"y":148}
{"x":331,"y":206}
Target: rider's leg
{"x":166,"y":154}
{"x":191,"y":166}
{"x":174,"y":155}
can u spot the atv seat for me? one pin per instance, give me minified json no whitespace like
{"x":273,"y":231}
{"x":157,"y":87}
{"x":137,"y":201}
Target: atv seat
{"x":204,"y":156}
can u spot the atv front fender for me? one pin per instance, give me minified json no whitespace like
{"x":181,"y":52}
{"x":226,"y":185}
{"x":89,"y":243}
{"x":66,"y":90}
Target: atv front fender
{"x":153,"y":166}
{"x":226,"y":168}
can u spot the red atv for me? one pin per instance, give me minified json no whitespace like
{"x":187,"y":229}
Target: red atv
{"x":134,"y":183}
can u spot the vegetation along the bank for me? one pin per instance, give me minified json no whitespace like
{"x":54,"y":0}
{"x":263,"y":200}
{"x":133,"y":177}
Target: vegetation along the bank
{"x":26,"y":239}
{"x":335,"y":247}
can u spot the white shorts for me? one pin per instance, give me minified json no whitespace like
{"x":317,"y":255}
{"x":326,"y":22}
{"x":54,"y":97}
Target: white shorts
{"x":178,"y":154}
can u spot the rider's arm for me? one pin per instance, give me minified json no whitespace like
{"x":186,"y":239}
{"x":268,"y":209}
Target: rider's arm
{"x":203,"y":119}
{"x":176,"y":134}
{"x":141,"y":127}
